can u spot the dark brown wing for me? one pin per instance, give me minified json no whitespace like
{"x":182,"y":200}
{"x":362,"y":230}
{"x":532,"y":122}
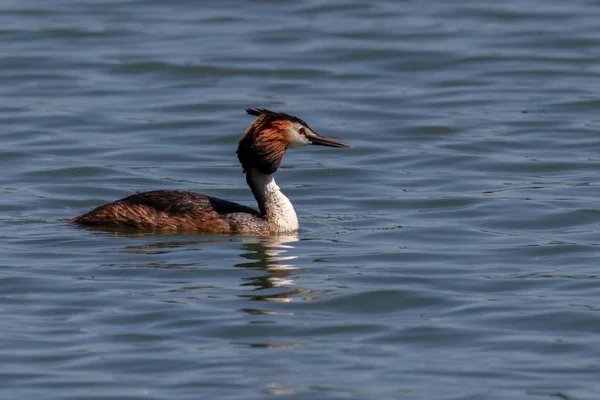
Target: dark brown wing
{"x":169,"y":210}
{"x":180,"y":202}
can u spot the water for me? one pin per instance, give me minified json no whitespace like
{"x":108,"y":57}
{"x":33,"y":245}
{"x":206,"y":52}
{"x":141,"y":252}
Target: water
{"x":451,"y":253}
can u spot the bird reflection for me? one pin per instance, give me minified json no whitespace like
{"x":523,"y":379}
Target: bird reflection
{"x":268,"y":255}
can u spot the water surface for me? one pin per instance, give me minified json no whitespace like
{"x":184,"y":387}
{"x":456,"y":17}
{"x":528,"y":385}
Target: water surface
{"x":451,"y":253}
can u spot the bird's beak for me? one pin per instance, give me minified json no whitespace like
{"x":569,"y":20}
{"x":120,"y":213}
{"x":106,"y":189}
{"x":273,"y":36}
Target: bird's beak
{"x":319,"y":140}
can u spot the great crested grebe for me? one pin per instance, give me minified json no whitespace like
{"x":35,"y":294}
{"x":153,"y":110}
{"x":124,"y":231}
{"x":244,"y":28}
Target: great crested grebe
{"x":260,"y":152}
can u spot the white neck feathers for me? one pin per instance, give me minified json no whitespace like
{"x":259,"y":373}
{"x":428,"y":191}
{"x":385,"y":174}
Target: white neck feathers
{"x":273,"y":204}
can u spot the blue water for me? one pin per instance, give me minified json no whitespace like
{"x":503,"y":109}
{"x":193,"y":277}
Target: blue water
{"x":450,"y":253}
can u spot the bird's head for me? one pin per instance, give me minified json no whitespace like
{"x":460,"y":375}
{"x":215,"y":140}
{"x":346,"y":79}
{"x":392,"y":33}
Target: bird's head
{"x":265,"y":141}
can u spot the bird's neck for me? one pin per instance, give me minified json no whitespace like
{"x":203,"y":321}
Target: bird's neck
{"x":273,"y":205}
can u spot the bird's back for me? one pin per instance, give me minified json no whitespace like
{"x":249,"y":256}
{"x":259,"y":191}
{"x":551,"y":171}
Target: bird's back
{"x":174,"y":210}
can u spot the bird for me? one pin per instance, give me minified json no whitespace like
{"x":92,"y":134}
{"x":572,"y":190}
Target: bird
{"x":260,"y":152}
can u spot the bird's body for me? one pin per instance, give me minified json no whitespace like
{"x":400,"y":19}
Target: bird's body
{"x":260,"y":152}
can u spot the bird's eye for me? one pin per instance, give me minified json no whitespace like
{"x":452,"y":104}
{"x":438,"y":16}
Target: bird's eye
{"x":302,"y":131}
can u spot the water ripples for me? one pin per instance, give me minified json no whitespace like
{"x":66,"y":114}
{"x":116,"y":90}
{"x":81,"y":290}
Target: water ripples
{"x":450,"y":253}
